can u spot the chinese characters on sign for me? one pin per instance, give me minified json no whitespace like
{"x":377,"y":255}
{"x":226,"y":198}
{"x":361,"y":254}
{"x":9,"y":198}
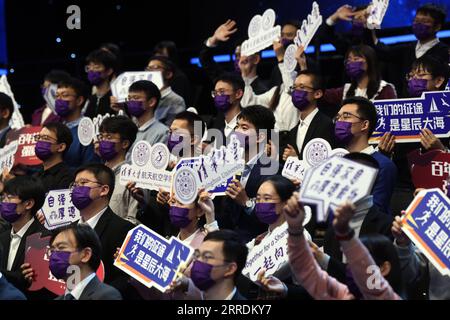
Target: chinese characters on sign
{"x":26,"y":139}
{"x":59,"y":210}
{"x":152,"y":259}
{"x":119,"y":87}
{"x":377,"y":9}
{"x":404,"y":118}
{"x":8,"y":155}
{"x":427,"y":224}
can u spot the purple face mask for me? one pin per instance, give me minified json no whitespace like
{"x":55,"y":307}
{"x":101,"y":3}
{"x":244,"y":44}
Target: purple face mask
{"x":300,"y":99}
{"x":62,"y":107}
{"x":416,"y":87}
{"x":286,"y":42}
{"x":179,"y":217}
{"x":343,"y":131}
{"x":80,"y":197}
{"x":8,"y":211}
{"x":201,"y":275}
{"x":422,"y":31}
{"x":43,"y":150}
{"x":266,"y":212}
{"x":107,"y":150}
{"x":58,"y":264}
{"x":135,"y":108}
{"x":95,"y":77}
{"x":174,"y":140}
{"x":222,"y":102}
{"x":243,"y":139}
{"x":354,"y":69}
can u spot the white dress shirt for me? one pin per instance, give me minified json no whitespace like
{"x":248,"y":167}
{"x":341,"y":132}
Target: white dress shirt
{"x":231,"y":295}
{"x":79,"y":287}
{"x":16,"y":238}
{"x":92,"y":222}
{"x":229,"y":126}
{"x":303,"y":129}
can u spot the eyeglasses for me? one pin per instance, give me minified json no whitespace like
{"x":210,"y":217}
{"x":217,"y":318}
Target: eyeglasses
{"x":44,"y":137}
{"x":92,"y":68}
{"x":64,"y":96}
{"x":50,"y":251}
{"x":205,"y":256}
{"x":107,"y":137}
{"x":411,"y":75}
{"x":154,"y":68}
{"x":215,"y":93}
{"x":300,"y":87}
{"x":346,"y":116}
{"x":8,"y":197}
{"x":82,"y":183}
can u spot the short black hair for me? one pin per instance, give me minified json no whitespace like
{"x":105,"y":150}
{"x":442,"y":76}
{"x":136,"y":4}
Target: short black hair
{"x":6,"y":103}
{"x":63,"y":134}
{"x":366,"y":110}
{"x":77,"y":85}
{"x":56,"y":76}
{"x":86,"y":237}
{"x":102,"y":173}
{"x":27,"y":188}
{"x":292,"y":22}
{"x":434,"y":66}
{"x":261,"y":117}
{"x":436,"y":12}
{"x":171,"y":48}
{"x":283,"y":186}
{"x":112,"y":48}
{"x":149,"y":88}
{"x":168,"y":65}
{"x":233,"y":79}
{"x":317,"y":81}
{"x":234,"y":249}
{"x":104,"y":57}
{"x":121,"y":125}
{"x":363,"y":158}
{"x":191,"y":118}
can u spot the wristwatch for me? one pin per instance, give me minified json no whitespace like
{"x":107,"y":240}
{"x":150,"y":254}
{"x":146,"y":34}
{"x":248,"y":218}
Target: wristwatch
{"x":250,"y":203}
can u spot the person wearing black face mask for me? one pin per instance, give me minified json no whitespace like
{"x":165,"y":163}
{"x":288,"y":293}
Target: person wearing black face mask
{"x":305,"y":92}
{"x":21,"y":199}
{"x":52,"y":143}
{"x":117,"y":135}
{"x":428,"y":21}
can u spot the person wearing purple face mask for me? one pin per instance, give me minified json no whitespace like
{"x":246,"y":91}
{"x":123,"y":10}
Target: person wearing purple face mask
{"x":217,"y":265}
{"x":361,"y":67}
{"x":354,"y":125}
{"x":75,"y":250}
{"x":143,"y":99}
{"x":70,"y":98}
{"x":305,"y":93}
{"x":117,"y":135}
{"x":21,"y":199}
{"x":429,"y":19}
{"x":221,"y":35}
{"x":101,"y":68}
{"x":53,"y":142}
{"x":91,"y":193}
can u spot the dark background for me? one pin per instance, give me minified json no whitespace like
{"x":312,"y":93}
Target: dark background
{"x":32,"y":28}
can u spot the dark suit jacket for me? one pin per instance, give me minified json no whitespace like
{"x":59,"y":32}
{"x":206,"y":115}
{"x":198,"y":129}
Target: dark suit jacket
{"x":8,"y":291}
{"x":321,"y":127}
{"x":102,"y":107}
{"x":375,"y":222}
{"x":96,"y":290}
{"x":237,"y":296}
{"x":3,"y":138}
{"x":112,"y":230}
{"x":15,"y":275}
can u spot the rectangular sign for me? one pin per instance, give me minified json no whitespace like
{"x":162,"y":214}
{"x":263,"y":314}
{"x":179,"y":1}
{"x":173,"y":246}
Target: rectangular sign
{"x":119,"y":87}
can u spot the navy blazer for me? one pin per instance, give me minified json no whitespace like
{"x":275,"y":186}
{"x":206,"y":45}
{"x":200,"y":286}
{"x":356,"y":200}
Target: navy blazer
{"x":8,"y":291}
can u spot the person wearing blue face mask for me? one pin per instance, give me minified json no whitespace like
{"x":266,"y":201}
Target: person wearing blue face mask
{"x":429,"y":19}
{"x":116,"y":136}
{"x":101,"y":68}
{"x":91,"y":193}
{"x":70,"y":98}
{"x":143,"y":99}
{"x":354,"y":124}
{"x":75,"y":255}
{"x":21,"y":199}
{"x":305,"y":93}
{"x":52,"y":143}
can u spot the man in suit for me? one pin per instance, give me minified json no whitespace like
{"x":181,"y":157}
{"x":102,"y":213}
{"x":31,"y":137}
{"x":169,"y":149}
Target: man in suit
{"x":218,"y":264}
{"x":21,"y":199}
{"x":312,"y":124}
{"x":91,"y":192}
{"x":75,"y":257}
{"x":6,"y":111}
{"x":254,"y":126}
{"x":354,"y":124}
{"x":428,"y":21}
{"x":8,"y":291}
